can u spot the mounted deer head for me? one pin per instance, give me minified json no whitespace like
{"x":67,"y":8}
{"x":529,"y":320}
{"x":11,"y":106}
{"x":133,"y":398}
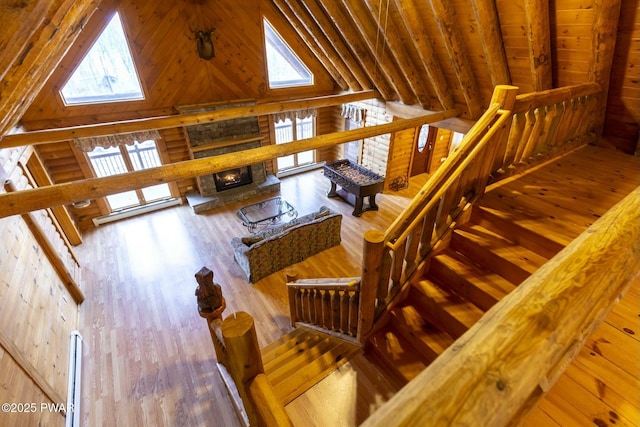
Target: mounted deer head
{"x":204,"y":43}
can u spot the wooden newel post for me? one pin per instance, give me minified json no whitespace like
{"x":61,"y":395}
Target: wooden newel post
{"x":371,"y":267}
{"x":211,"y":304}
{"x":292,"y":276}
{"x":244,"y":360}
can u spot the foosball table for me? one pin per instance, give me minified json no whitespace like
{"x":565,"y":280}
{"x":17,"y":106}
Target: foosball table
{"x":355,"y":181}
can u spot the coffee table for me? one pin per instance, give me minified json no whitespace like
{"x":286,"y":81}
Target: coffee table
{"x":265,"y":212}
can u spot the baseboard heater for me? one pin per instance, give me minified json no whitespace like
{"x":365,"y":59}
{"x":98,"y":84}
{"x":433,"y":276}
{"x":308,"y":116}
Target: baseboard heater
{"x":127,"y":213}
{"x":73,"y":387}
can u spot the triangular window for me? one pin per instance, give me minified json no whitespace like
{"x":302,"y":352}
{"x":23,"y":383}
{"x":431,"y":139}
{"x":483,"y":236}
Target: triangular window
{"x":106,"y":73}
{"x":284,"y":67}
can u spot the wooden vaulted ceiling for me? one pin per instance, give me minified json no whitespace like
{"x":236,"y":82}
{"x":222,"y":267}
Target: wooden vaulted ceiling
{"x":435,"y":54}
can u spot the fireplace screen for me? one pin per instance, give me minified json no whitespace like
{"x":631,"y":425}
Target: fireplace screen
{"x":232,"y":178}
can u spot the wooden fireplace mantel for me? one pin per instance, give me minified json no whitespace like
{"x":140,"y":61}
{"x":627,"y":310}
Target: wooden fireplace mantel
{"x":224,"y":143}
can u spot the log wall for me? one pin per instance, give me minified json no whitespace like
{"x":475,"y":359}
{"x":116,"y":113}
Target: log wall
{"x":37,"y":317}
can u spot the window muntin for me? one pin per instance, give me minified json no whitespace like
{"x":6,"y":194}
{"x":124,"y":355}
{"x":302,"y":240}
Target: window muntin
{"x":286,"y":132}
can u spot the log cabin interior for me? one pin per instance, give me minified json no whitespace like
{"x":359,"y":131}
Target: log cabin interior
{"x":496,"y":284}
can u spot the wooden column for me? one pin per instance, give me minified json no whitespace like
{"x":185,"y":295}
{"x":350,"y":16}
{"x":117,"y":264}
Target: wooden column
{"x":605,"y":31}
{"x":371,"y":265}
{"x":291,"y":276}
{"x":455,"y":48}
{"x":416,"y":28}
{"x":492,"y":45}
{"x":538,"y":32}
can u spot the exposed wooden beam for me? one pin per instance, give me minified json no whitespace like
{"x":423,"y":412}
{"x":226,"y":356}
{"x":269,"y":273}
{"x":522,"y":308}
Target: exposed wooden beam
{"x":605,"y":31}
{"x":330,"y":32}
{"x":416,"y":28}
{"x":65,"y":134}
{"x":56,"y":29}
{"x":311,"y":27}
{"x":378,"y":48}
{"x":60,"y":194}
{"x":386,"y":28}
{"x":312,"y":43}
{"x":538,"y":33}
{"x":456,"y":51}
{"x":488,"y":27}
{"x":346,"y":28}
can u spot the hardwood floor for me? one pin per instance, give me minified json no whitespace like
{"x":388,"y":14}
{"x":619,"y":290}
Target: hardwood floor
{"x":148,"y":356}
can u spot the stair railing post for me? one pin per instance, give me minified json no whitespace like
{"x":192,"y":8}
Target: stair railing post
{"x":211,"y":304}
{"x":292,"y":276}
{"x":371,"y":270}
{"x":244,"y":360}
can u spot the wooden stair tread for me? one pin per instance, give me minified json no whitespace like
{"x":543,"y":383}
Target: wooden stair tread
{"x":300,"y":359}
{"x":460,"y":275}
{"x":314,"y":369}
{"x":425,"y":337}
{"x":510,"y":260}
{"x":524,"y":233}
{"x":446,"y":311}
{"x":398,"y":355}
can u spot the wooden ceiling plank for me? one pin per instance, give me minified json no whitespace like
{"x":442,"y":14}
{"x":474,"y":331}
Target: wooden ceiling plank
{"x":345,"y":26}
{"x":538,"y":30}
{"x":312,"y":28}
{"x":486,"y":15}
{"x":605,"y":30}
{"x":455,"y":50}
{"x":379,"y":48}
{"x":387,"y":30}
{"x":416,"y":28}
{"x":20,"y":202}
{"x":64,"y":134}
{"x":42,"y":53}
{"x":325,"y":25}
{"x":311,"y":43}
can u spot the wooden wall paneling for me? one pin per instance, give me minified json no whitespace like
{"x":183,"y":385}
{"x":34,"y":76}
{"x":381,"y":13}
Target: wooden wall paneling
{"x":512,"y":28}
{"x":378,"y":46}
{"x":375,"y":150}
{"x":488,"y":27}
{"x":175,"y":149}
{"x":344,"y":24}
{"x":325,"y":124}
{"x":399,"y":165}
{"x":441,"y":149}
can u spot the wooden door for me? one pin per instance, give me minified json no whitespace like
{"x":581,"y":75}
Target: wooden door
{"x":423,"y":150}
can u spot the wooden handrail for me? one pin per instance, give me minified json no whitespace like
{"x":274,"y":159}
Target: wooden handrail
{"x":502,"y":365}
{"x":530,"y":101}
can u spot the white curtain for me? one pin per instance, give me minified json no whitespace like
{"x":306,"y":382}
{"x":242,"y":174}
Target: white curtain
{"x":107,"y":141}
{"x":291,"y":115}
{"x":353,"y":112}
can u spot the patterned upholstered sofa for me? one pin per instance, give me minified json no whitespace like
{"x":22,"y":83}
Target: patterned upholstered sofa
{"x":280,"y":246}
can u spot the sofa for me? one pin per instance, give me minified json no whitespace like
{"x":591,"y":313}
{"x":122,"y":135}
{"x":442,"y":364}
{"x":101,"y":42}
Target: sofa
{"x":285,"y":244}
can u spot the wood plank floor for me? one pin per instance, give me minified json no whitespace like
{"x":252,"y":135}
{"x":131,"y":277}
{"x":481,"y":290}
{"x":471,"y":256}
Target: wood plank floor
{"x":148,"y":358}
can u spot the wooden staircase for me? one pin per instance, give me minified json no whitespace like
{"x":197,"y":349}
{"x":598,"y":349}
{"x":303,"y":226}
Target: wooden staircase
{"x":487,"y":258}
{"x":300,"y":359}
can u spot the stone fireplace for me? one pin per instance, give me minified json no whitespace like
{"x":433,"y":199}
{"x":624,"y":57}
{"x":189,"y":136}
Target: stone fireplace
{"x":234,"y":184}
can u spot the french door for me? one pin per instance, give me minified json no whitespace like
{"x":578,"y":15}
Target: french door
{"x":286,"y":132}
{"x":127,"y":158}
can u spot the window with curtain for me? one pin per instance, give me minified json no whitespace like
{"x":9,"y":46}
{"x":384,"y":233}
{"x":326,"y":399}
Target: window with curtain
{"x":293,"y":128}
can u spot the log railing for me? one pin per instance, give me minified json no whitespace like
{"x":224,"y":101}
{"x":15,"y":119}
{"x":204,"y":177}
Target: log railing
{"x":547,"y":124}
{"x":329,"y":304}
{"x":500,"y":367}
{"x":390,"y":258}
